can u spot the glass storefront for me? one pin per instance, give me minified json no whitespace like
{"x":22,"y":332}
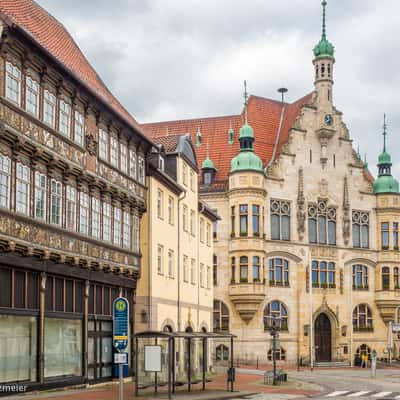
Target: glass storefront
{"x":18,"y":348}
{"x":63,"y":347}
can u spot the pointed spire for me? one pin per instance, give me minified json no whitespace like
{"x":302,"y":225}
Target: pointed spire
{"x":324,"y":4}
{"x":246,"y":101}
{"x":384,"y":133}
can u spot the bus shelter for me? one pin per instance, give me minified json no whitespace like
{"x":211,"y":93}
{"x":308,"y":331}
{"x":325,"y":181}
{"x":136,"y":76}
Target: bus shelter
{"x":171,"y":359}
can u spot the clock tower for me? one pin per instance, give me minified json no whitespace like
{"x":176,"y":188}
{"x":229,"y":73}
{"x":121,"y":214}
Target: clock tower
{"x":323,"y":63}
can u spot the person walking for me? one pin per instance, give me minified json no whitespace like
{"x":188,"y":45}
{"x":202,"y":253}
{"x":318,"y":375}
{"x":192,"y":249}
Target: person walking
{"x":363,"y":360}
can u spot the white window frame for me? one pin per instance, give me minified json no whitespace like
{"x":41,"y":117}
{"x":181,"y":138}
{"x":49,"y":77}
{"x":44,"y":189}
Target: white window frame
{"x":106,"y":226}
{"x":64,"y":124}
{"x":40,"y":191}
{"x":192,"y":222}
{"x":117,"y":226}
{"x":127,"y":230}
{"x":170,"y":210}
{"x":185,"y":269}
{"x":160,"y":267}
{"x":96,"y":207}
{"x":113,"y":151}
{"x":193,"y":271}
{"x":49,"y":108}
{"x":83,"y":213}
{"x":71,"y":204}
{"x":170,"y":263}
{"x":79,"y":128}
{"x":123,"y":157}
{"x":132,"y":164}
{"x":31,"y":96}
{"x":13,"y":83}
{"x":23,"y":188}
{"x":201,"y":275}
{"x":142,"y":172}
{"x":103,"y":144}
{"x":160,"y":201}
{"x":55,"y":201}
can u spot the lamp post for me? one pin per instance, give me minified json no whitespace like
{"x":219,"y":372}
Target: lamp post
{"x":274,"y":327}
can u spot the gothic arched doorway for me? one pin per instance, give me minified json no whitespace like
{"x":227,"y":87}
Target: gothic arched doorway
{"x":323,"y":338}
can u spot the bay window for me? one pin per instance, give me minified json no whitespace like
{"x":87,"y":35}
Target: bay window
{"x":395,"y":235}
{"x":256,"y":220}
{"x":256,"y":269}
{"x":243,"y":210}
{"x":244,"y":277}
{"x":22,"y":188}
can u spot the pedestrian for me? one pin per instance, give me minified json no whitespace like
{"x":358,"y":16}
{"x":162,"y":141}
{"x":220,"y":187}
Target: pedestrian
{"x":363,"y":362}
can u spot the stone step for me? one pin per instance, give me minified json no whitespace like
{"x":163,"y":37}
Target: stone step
{"x":332,"y":364}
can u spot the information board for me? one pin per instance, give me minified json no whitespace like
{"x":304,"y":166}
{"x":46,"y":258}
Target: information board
{"x":120,"y":323}
{"x":152,"y":358}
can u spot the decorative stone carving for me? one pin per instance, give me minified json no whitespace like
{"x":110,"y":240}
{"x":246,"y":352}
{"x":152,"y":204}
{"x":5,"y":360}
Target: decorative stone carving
{"x":301,"y":209}
{"x":346,"y":213}
{"x":91,"y":145}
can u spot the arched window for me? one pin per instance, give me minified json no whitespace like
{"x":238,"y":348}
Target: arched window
{"x":221,"y":316}
{"x":275,"y":313}
{"x":360,"y":277}
{"x":280,"y":354}
{"x":385,"y":278}
{"x":278,"y":272}
{"x":362,"y":318}
{"x":322,"y":223}
{"x":222,"y":353}
{"x":364,"y":349}
{"x":167,"y":328}
{"x":244,"y":277}
{"x":396,"y":277}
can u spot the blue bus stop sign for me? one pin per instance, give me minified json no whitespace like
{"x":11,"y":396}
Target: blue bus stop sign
{"x":120,"y":323}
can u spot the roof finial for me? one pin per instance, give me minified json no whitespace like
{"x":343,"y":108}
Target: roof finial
{"x":246,"y":101}
{"x":384,"y":132}
{"x":324,"y":4}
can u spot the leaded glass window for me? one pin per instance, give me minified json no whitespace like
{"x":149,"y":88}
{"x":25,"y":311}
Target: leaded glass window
{"x":79,"y":128}
{"x":71,"y":207}
{"x":280,"y":220}
{"x":5,"y":173}
{"x":360,"y":229}
{"x":322,"y":223}
{"x":23,"y":188}
{"x":117,"y":226}
{"x":49,"y":108}
{"x":55,"y":202}
{"x":127,"y":229}
{"x":95,"y":218}
{"x":107,"y":222}
{"x":65,"y":118}
{"x":83,"y":213}
{"x":40,"y":195}
{"x":32,"y":96}
{"x":13,"y":83}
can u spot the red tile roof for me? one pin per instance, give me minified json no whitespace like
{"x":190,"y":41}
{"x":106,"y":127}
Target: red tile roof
{"x":170,"y":142}
{"x":263,"y":115}
{"x":51,"y":35}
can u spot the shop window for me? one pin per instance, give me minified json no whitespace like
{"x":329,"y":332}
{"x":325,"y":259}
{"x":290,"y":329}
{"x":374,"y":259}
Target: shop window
{"x":62,"y":348}
{"x":18,"y":348}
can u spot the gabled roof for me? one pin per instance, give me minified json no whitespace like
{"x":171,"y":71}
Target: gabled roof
{"x":52,"y":36}
{"x":263,"y":115}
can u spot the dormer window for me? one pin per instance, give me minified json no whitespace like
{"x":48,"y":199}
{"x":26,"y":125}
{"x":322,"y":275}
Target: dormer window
{"x":207,"y":178}
{"x":161,"y":163}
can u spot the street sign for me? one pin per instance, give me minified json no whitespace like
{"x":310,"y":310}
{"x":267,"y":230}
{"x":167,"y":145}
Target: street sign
{"x":120,"y":323}
{"x":396,"y":328}
{"x":120,"y":358}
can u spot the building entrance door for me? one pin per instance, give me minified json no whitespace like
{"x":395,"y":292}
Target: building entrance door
{"x":323,"y":338}
{"x":100,"y":351}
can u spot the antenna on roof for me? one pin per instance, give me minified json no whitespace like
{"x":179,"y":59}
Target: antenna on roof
{"x":282,"y":91}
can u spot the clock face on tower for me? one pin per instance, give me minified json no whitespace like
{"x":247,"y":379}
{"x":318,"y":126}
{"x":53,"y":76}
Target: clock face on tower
{"x":328,"y":119}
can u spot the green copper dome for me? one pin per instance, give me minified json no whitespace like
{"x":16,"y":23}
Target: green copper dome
{"x":386,"y":184}
{"x":324,"y":48}
{"x":208,"y":164}
{"x":246,"y":160}
{"x":384,"y":158}
{"x":246,"y":131}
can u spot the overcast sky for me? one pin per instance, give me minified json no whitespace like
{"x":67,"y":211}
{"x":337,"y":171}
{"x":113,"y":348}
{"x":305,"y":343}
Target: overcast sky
{"x":178,"y":59}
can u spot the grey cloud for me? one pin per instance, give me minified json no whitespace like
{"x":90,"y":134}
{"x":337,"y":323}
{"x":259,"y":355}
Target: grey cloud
{"x":182,"y":59}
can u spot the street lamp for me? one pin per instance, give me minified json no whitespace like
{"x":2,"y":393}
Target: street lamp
{"x":274,"y":326}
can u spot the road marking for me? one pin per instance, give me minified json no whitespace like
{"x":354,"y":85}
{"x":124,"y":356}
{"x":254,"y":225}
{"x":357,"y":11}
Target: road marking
{"x":381,"y":394}
{"x":358,"y":394}
{"x":338,"y":393}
